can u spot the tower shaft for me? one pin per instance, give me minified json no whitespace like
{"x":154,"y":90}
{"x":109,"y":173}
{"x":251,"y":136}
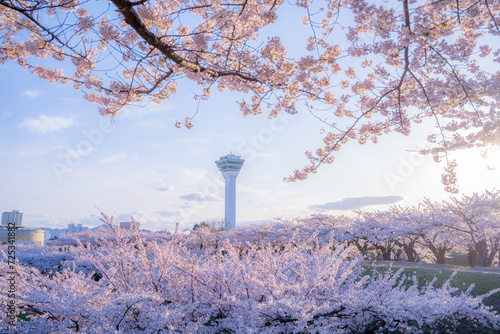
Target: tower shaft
{"x":230,"y":199}
{"x":230,"y":166}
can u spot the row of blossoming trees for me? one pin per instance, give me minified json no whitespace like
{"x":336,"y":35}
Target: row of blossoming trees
{"x":431,"y":230}
{"x":426,"y":232}
{"x":470,"y":224}
{"x":306,"y":276}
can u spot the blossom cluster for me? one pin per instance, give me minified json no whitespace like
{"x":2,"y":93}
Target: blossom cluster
{"x":367,"y":69}
{"x":126,"y":281}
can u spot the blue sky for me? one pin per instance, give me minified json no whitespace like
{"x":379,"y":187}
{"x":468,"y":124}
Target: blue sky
{"x":62,"y":162}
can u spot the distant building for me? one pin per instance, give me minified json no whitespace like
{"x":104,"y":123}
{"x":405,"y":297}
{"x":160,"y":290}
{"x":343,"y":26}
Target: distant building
{"x":12,"y":217}
{"x":129,"y":225}
{"x":12,"y":230}
{"x":23,"y":235}
{"x":73,"y":228}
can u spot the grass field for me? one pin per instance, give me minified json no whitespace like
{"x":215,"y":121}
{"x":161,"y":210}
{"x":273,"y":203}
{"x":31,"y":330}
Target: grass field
{"x":484,"y":282}
{"x":457,"y":259}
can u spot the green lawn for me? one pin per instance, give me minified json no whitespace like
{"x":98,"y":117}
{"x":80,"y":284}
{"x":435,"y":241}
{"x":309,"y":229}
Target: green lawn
{"x":457,"y":259}
{"x":484,"y":282}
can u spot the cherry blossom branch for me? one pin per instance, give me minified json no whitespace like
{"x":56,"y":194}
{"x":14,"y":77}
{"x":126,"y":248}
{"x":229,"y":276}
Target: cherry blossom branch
{"x":353,"y":127}
{"x":243,"y":6}
{"x":133,"y":19}
{"x":445,"y":144}
{"x":25,"y":12}
{"x":459,"y":81}
{"x":125,"y":313}
{"x":491,"y":15}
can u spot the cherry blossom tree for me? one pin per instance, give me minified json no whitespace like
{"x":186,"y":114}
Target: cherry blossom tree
{"x":137,"y":286}
{"x":367,"y":69}
{"x":423,"y":233}
{"x":408,"y":231}
{"x":428,"y":231}
{"x":376,"y":228}
{"x":435,"y":235}
{"x":476,"y":218}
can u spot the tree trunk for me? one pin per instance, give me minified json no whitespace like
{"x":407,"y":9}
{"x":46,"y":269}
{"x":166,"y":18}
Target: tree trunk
{"x":438,"y":252}
{"x":411,"y":253}
{"x":494,"y":250}
{"x":441,"y":256}
{"x":386,"y":252}
{"x":397,"y":254}
{"x":472,"y":257}
{"x":363,"y":248}
{"x":482,"y":253}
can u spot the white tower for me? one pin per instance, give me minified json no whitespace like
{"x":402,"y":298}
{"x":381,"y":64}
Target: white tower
{"x":230,"y":166}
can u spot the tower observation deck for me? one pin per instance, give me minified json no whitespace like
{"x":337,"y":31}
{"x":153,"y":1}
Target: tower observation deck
{"x":230,"y":165}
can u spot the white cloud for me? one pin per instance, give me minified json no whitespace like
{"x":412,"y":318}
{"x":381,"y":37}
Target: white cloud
{"x":163,"y":186}
{"x":166,"y":188}
{"x":167,"y":213}
{"x":46,"y":123}
{"x":200,"y":138}
{"x":114,"y":158}
{"x":32,"y":93}
{"x":199,"y":197}
{"x":45,"y":220}
{"x":357,"y":203}
{"x":193,"y":173}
